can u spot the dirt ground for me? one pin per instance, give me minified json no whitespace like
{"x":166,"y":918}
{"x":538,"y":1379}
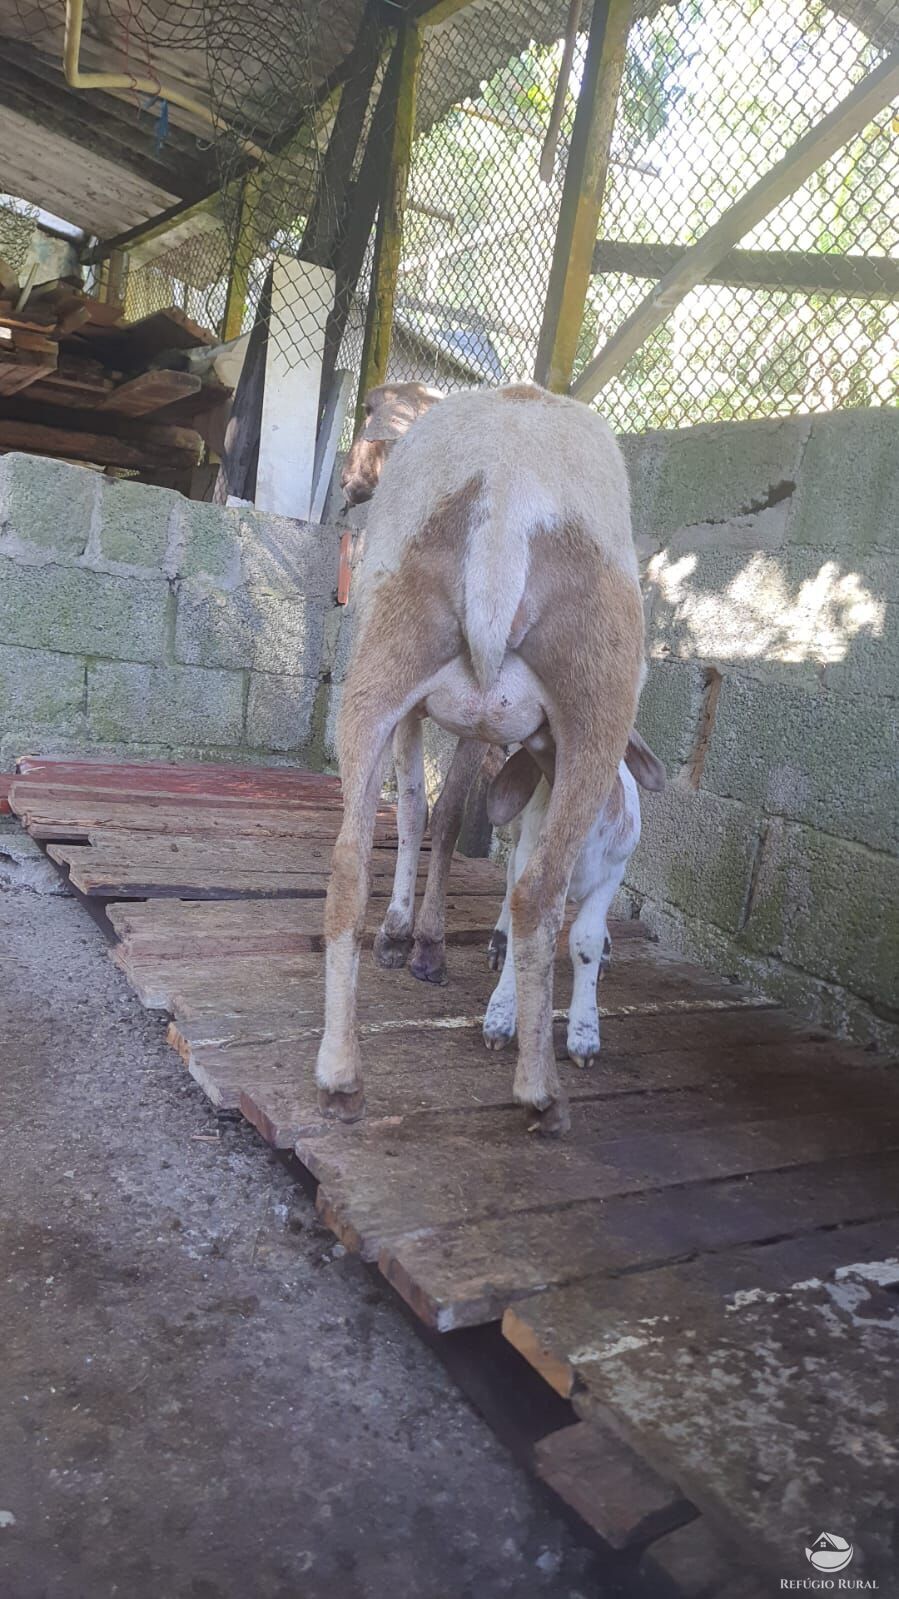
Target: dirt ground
{"x":201,"y":1395}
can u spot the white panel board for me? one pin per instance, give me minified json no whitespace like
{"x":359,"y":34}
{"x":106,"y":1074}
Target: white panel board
{"x":302,"y":295}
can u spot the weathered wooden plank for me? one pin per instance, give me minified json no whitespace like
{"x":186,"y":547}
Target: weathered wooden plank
{"x":469,"y":921}
{"x":224,"y":777}
{"x":765,"y":1379}
{"x":462,"y":1276}
{"x":106,"y":449}
{"x":458,"y":1168}
{"x":195,"y":879}
{"x":150,"y":391}
{"x":609,"y":1486}
{"x":62,"y":820}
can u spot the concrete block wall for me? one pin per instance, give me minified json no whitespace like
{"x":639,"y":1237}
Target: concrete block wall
{"x":135,"y":621}
{"x":769,"y":552}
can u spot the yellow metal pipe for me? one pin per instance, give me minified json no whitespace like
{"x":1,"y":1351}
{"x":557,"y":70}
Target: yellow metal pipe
{"x":76,"y":79}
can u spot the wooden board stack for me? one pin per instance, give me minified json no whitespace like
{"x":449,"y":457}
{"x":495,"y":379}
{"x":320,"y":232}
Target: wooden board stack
{"x":707,"y":1269}
{"x":79,"y":383}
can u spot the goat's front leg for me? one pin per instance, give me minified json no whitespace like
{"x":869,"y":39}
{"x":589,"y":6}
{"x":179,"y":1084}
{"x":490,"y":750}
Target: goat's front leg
{"x":428,"y":961}
{"x":588,"y":944}
{"x":393,"y":940}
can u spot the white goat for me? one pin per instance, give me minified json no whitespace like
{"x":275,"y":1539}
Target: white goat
{"x":499,"y":595}
{"x":597,"y":875}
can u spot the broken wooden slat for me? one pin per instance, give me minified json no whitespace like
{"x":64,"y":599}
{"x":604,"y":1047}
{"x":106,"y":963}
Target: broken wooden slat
{"x":745,"y":1373}
{"x":609,"y":1486}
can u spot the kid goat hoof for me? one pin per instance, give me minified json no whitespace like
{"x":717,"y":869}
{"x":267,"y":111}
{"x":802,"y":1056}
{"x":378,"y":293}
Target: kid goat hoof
{"x":496,"y":950}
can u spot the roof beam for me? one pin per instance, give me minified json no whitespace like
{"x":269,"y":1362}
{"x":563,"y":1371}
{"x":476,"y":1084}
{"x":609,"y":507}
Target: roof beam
{"x":105,"y":126}
{"x":860,"y":107}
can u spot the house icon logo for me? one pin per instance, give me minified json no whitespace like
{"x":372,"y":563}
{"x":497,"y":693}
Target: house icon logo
{"x":829,"y":1552}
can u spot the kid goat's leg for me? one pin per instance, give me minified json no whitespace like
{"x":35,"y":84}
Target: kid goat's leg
{"x":428,"y":961}
{"x":587,"y":945}
{"x":394,"y":938}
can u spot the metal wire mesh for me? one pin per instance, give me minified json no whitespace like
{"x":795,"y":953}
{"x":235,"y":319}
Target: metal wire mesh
{"x":480,"y":220}
{"x":17,"y":221}
{"x":804,"y":315}
{"x":192,"y":275}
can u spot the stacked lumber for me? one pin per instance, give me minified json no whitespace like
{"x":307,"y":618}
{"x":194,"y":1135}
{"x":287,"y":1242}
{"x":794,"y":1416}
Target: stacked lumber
{"x":80,"y":383}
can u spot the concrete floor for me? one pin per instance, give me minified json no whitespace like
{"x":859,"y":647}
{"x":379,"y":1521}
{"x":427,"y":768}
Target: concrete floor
{"x":201,"y":1396}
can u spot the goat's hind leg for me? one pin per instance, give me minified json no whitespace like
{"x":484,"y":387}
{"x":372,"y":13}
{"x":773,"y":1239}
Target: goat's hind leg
{"x":393,"y":940}
{"x":369,"y":714}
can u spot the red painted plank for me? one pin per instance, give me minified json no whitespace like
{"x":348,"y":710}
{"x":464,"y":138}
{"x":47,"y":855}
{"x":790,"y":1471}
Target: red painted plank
{"x":6,"y":779}
{"x":191,"y":777}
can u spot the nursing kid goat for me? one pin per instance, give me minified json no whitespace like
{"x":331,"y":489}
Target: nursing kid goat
{"x":499,"y":595}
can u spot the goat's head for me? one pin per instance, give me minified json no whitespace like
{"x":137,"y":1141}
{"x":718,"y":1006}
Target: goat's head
{"x":390,"y":411}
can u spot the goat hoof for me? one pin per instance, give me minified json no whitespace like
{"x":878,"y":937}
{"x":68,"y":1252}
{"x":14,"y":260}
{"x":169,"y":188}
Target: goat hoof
{"x":496,"y":950}
{"x":497,"y":1036}
{"x":428,"y":962}
{"x":552,"y":1121}
{"x":344,"y":1105}
{"x":391,"y":950}
{"x":582,"y":1060}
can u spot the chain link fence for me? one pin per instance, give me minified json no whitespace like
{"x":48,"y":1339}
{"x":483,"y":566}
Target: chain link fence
{"x":803,"y":316}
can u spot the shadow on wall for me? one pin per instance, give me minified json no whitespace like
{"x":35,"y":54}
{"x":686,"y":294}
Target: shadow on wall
{"x":772,"y":587}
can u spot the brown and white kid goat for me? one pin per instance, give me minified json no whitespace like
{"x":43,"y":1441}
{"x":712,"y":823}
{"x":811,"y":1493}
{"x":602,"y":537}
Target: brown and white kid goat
{"x":499,"y":595}
{"x":520,"y":794}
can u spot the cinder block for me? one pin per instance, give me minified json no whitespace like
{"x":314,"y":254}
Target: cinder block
{"x":82,"y":612}
{"x":713,"y":473}
{"x":136,"y":521}
{"x":668,"y":716}
{"x":39,"y":686}
{"x":279,"y":710}
{"x":697,"y":853}
{"x":822,"y":1003}
{"x":47,"y":503}
{"x":248,"y":628}
{"x":820,"y":759}
{"x":289,"y":557}
{"x":869,"y":663}
{"x":849,"y":490}
{"x":829,"y":907}
{"x":209,"y":543}
{"x":164,"y":705}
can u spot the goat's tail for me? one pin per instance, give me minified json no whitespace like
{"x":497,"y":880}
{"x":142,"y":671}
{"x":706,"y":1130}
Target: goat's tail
{"x":496,"y":569}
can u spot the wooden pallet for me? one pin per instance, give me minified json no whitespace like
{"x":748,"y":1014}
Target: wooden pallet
{"x":691,"y":1268}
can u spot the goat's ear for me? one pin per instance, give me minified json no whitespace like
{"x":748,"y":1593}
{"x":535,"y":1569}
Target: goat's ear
{"x":643,"y":764}
{"x":512,"y":787}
